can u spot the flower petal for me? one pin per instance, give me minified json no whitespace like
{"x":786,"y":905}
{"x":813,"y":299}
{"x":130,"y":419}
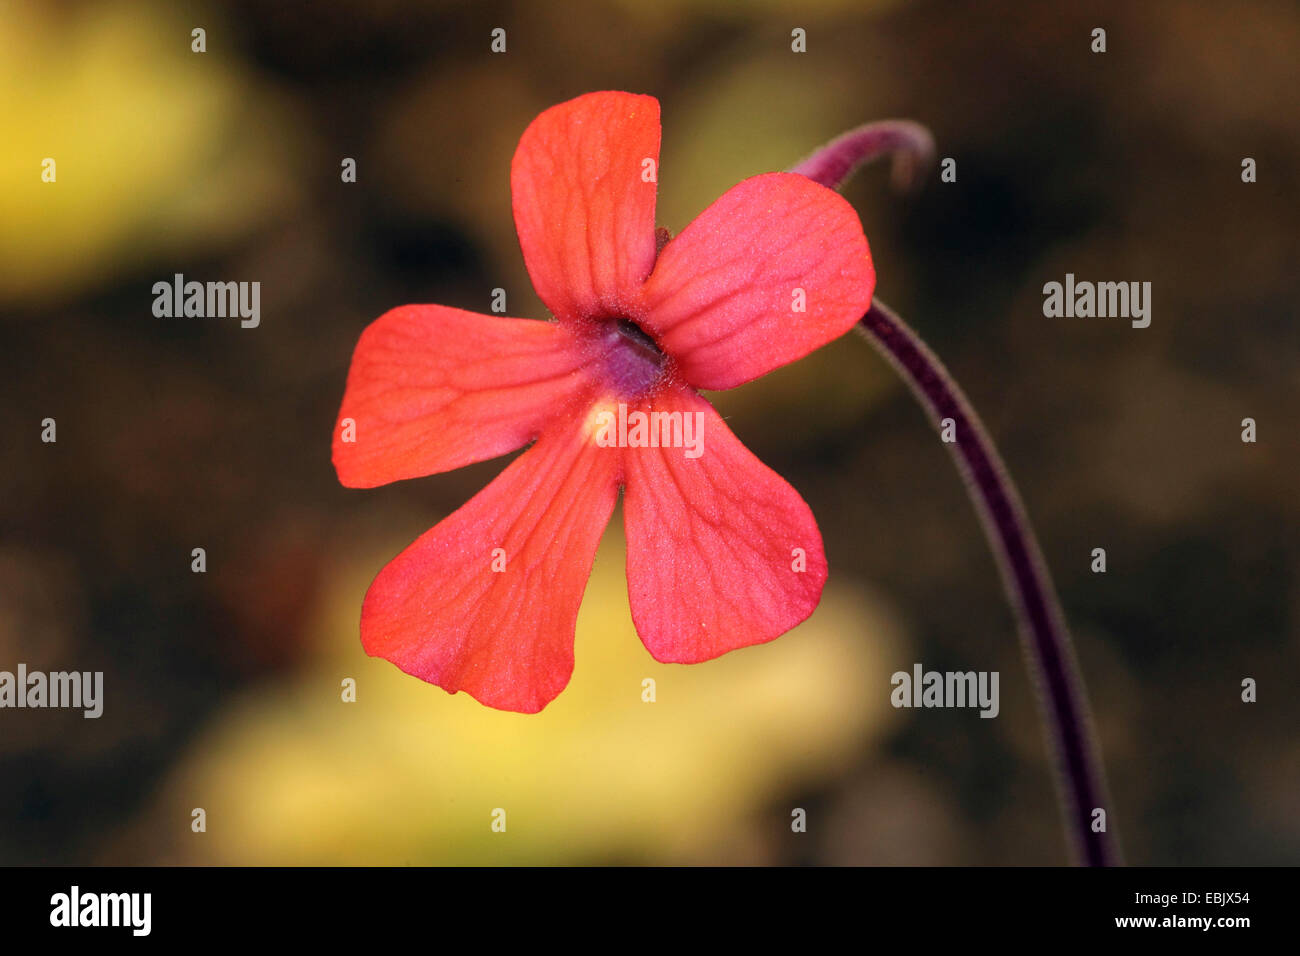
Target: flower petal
{"x":726,"y":294}
{"x":714,"y":543}
{"x":433,"y":388}
{"x":441,"y":612}
{"x":584,"y":211}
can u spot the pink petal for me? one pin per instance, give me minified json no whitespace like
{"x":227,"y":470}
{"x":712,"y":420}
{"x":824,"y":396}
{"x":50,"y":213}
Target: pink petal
{"x":440,"y":612}
{"x":432,"y":388}
{"x":584,"y":209}
{"x":714,"y":543}
{"x":723,"y":299}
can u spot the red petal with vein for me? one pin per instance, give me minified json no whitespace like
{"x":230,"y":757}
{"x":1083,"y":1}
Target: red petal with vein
{"x":724,"y":296}
{"x":440,"y":612}
{"x":432,"y":389}
{"x":584,"y":213}
{"x":711,"y":559}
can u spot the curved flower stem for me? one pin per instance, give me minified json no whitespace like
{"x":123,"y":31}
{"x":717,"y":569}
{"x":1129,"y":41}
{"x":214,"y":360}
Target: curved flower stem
{"x":1080,"y":779}
{"x":1046,"y":639}
{"x":910,"y":144}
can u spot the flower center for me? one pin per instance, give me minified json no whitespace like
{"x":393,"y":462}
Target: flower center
{"x":633,"y":362}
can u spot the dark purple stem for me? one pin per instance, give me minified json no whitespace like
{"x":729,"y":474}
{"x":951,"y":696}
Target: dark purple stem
{"x":910,"y":144}
{"x":1024,"y":574}
{"x":1044,"y":635}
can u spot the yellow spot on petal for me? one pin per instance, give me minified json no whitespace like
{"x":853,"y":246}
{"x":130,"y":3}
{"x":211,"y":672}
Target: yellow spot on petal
{"x":601,"y":424}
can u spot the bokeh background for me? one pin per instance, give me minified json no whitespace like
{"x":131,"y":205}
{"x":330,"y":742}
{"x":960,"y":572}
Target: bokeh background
{"x":223,"y":688}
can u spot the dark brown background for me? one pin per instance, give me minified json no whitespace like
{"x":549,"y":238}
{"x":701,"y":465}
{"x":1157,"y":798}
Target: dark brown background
{"x":180,"y":433}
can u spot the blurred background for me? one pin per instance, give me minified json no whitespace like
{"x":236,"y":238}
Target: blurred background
{"x":222,"y":689}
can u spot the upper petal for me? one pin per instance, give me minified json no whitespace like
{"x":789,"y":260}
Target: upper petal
{"x":432,"y":388}
{"x":777,"y":267}
{"x":584,"y":201}
{"x":486,"y":601}
{"x":721,"y":551}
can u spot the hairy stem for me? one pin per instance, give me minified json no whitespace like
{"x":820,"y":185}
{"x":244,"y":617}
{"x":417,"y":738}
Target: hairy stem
{"x":1045,"y":638}
{"x":910,"y":144}
{"x":1028,"y":583}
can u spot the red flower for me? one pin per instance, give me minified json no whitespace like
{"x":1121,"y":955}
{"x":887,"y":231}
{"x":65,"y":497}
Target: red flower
{"x":722,"y":552}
